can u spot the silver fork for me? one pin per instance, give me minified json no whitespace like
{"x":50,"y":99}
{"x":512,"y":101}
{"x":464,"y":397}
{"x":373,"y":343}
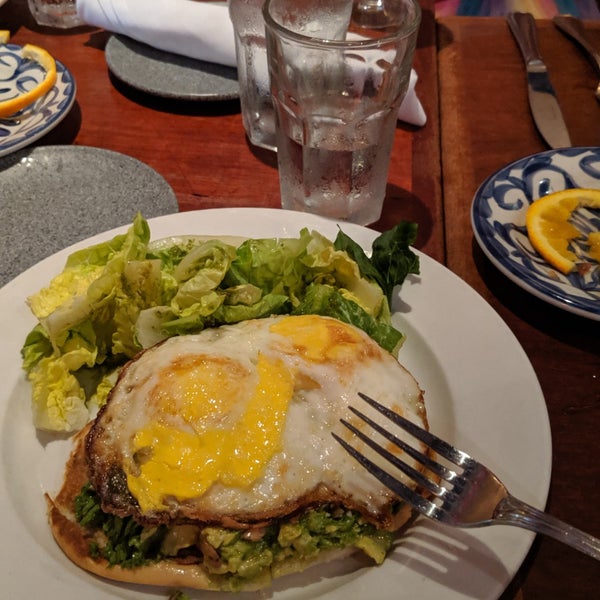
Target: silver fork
{"x":470,"y":496}
{"x":574,"y":28}
{"x":26,"y":112}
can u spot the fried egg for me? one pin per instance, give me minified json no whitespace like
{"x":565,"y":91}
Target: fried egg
{"x":235,"y":422}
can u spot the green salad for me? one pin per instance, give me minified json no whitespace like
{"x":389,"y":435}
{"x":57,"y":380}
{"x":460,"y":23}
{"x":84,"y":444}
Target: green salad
{"x":116,"y":298}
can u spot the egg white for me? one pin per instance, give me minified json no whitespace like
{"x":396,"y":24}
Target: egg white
{"x":308,"y":461}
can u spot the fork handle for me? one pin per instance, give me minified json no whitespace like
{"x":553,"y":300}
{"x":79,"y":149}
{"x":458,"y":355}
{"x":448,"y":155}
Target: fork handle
{"x":574,"y":29}
{"x":512,"y":511}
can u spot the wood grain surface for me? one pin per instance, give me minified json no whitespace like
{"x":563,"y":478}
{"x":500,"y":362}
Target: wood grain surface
{"x":485,"y":125}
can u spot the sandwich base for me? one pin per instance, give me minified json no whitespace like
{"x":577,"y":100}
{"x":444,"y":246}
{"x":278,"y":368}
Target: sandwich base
{"x":74,"y":540}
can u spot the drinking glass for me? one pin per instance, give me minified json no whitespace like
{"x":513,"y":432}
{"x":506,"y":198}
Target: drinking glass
{"x":336,"y":100}
{"x":253,"y":76}
{"x":246,"y":16}
{"x":55,"y":13}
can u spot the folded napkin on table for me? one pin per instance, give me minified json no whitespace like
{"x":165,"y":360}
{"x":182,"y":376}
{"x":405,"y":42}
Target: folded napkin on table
{"x":200,"y":30}
{"x":411,"y":110}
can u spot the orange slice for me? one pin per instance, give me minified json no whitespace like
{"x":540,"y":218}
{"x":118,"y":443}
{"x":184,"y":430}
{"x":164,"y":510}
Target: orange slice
{"x":551,"y":230}
{"x":47,"y":62}
{"x":4,"y":36}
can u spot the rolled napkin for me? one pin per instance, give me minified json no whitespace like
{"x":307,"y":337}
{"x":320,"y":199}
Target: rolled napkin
{"x":200,"y":30}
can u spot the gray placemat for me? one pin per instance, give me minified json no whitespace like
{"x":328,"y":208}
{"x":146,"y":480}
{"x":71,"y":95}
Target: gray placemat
{"x":54,"y":196}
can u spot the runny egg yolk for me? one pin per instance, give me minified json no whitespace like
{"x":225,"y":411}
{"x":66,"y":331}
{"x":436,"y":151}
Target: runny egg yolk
{"x":185,"y":464}
{"x":320,"y":340}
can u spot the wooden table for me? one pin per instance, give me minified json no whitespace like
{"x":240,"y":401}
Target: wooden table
{"x":486,"y":124}
{"x":478,"y":123}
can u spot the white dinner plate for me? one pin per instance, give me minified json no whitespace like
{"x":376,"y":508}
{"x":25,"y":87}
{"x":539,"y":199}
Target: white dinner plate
{"x":498,"y":217}
{"x":169,"y":75}
{"x":481,"y":393}
{"x":15,"y":72}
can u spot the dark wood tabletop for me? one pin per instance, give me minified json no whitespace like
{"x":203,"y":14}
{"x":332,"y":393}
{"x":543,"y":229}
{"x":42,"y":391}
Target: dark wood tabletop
{"x":485,"y":125}
{"x":472,"y":85}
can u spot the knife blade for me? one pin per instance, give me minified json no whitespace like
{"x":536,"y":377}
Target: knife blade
{"x":542,"y":97}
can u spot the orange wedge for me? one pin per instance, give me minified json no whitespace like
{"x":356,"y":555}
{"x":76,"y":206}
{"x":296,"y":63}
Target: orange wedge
{"x":47,"y":62}
{"x":551,"y":230}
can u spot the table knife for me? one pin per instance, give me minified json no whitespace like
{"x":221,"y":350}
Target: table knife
{"x":542,"y":98}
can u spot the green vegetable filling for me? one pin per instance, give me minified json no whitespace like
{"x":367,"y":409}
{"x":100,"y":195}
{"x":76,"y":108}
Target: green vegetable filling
{"x":234,"y":555}
{"x":121,"y":541}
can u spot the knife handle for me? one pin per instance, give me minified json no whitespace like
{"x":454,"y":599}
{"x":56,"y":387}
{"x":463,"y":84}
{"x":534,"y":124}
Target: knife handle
{"x":522,"y":26}
{"x":574,"y":28}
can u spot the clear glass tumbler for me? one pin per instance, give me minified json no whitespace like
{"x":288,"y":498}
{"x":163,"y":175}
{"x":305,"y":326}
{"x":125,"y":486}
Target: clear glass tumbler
{"x":61,"y":14}
{"x":336,"y":100}
{"x":253,"y":75}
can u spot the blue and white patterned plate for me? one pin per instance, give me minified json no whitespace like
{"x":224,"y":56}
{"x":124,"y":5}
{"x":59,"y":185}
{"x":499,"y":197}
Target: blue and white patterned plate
{"x":498,"y":218}
{"x":17,"y":73}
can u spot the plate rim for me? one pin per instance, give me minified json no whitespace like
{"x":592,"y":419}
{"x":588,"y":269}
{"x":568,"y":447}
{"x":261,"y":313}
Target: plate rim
{"x":520,"y":541}
{"x":555,"y":298}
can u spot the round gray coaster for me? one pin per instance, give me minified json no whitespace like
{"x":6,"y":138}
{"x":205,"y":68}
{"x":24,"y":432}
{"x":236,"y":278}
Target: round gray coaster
{"x":54,"y":196}
{"x":169,"y":75}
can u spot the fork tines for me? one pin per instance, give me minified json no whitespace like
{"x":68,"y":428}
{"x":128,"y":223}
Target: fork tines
{"x":437,"y":445}
{"x":471,"y":497}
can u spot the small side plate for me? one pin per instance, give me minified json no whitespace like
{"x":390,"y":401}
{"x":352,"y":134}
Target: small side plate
{"x":49,"y":111}
{"x":169,"y":75}
{"x":498,"y":218}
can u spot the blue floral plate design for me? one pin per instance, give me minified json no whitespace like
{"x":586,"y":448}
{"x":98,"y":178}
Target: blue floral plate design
{"x":498,"y":218}
{"x":17,"y":73}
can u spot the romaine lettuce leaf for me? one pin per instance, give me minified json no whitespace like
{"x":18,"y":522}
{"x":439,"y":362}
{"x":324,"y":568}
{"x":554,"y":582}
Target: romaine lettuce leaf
{"x":36,"y":346}
{"x":58,"y":401}
{"x":86,"y":316}
{"x":272,"y":265}
{"x":85,"y":291}
{"x":140,"y":286}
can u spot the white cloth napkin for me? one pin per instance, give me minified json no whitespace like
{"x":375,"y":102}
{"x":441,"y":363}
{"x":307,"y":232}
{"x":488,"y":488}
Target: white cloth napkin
{"x":411,"y":110}
{"x":200,"y":30}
